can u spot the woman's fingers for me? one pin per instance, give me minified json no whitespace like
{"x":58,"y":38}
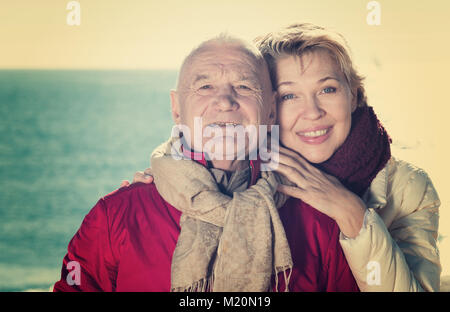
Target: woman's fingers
{"x":295,"y":176}
{"x":305,"y":164}
{"x":148,"y":172}
{"x":288,"y":160}
{"x":124,"y":183}
{"x":294,"y":161}
{"x":292,"y":191}
{"x":307,"y":178}
{"x":142,"y":177}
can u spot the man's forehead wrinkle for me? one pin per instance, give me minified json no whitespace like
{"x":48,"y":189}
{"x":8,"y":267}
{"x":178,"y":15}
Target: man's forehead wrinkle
{"x":217,"y":70}
{"x":235,"y":55}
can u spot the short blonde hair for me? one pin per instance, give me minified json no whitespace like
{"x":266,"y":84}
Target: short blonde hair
{"x":300,"y":38}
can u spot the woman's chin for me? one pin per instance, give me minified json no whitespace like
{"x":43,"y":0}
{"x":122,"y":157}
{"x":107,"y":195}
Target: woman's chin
{"x":317,"y":159}
{"x":314,"y":157}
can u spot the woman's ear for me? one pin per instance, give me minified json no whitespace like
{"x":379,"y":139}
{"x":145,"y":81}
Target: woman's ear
{"x":354,"y":104}
{"x":272,"y":118}
{"x":175,"y":105}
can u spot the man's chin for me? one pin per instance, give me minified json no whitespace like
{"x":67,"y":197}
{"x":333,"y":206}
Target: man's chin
{"x":225,"y":148}
{"x":225,"y":156}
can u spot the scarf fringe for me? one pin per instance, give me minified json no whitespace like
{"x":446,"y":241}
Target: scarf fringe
{"x":207,"y":284}
{"x":287,"y":277}
{"x":203,"y":285}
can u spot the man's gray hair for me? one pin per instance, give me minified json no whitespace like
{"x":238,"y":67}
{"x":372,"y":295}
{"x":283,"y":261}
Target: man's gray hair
{"x":227,"y":40}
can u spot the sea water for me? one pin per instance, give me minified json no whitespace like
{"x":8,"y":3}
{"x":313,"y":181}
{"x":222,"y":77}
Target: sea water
{"x":68,"y":138}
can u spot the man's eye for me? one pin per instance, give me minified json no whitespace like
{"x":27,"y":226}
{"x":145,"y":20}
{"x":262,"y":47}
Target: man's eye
{"x":243,"y":89}
{"x":329,"y":90}
{"x":205,"y":87}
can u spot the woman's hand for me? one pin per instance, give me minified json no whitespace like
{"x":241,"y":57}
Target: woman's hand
{"x":144,"y":177}
{"x":321,"y":191}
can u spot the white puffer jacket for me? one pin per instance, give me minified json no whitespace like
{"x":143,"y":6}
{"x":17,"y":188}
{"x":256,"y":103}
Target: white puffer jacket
{"x":396,"y":250}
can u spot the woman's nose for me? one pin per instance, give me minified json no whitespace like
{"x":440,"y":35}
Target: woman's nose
{"x":312,"y":109}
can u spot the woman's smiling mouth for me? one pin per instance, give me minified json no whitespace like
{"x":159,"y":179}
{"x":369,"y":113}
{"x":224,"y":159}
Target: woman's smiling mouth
{"x":315,"y":136}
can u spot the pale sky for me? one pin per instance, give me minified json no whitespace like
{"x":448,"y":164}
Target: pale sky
{"x":405,"y":59}
{"x":157,"y":34}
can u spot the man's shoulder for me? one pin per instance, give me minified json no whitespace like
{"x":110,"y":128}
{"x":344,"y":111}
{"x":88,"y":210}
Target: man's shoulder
{"x":139,"y":202}
{"x":130,"y":190}
{"x":132,"y":197}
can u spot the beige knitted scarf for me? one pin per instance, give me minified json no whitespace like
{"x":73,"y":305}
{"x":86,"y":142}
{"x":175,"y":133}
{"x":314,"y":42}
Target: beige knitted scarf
{"x":226,"y":243}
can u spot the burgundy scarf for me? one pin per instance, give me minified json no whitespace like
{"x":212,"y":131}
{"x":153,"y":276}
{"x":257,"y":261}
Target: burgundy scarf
{"x":362,"y":155}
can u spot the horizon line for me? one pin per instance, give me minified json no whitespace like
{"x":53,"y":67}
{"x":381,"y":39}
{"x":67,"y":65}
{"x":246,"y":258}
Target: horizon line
{"x":87,"y":69}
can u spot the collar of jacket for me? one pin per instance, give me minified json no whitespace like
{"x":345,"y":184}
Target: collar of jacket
{"x":376,"y":194}
{"x":200,"y":158}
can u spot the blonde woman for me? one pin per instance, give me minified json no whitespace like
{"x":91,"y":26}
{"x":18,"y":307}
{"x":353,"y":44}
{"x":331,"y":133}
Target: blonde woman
{"x":338,"y":155}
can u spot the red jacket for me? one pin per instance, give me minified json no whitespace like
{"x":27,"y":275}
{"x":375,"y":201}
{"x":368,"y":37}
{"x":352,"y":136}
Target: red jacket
{"x":126,"y":242}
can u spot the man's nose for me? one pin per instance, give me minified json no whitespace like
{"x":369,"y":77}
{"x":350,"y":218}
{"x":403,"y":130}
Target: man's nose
{"x":312,"y":109}
{"x":226,"y":99}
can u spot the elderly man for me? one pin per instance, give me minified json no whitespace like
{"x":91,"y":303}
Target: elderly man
{"x":207,"y":223}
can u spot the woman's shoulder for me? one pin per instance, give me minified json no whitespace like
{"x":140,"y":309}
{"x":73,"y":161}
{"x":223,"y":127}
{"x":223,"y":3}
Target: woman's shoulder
{"x":405,"y":185}
{"x":404,"y":175}
{"x":403,"y":169}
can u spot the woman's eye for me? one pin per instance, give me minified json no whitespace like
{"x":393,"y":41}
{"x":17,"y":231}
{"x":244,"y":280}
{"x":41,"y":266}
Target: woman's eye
{"x":205,"y":87}
{"x":287,"y":97}
{"x":244,"y":87}
{"x":329,"y":90}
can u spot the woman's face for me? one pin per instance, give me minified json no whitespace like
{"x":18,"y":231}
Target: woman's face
{"x":315,"y":104}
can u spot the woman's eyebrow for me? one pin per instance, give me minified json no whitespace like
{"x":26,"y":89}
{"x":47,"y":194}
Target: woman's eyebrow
{"x":328,"y":78}
{"x":284,"y":83}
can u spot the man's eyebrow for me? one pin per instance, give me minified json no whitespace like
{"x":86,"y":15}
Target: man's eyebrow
{"x":252,"y":78}
{"x":200,"y":77}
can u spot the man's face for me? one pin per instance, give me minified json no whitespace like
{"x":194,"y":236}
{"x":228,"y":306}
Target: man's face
{"x":225,"y":88}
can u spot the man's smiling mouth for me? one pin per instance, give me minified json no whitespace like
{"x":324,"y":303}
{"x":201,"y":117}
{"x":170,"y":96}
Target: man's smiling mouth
{"x":223,"y":124}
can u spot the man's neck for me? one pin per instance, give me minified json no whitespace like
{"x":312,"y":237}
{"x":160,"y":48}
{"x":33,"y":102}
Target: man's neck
{"x":229,"y":166}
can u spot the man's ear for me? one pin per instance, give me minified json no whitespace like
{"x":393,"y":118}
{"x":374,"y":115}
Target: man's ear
{"x":175,"y":104}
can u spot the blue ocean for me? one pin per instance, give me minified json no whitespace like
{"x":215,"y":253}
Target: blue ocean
{"x":68,"y":138}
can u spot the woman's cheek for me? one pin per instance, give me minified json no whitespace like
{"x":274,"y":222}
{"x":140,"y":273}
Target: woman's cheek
{"x":286,"y":129}
{"x":286,"y":119}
